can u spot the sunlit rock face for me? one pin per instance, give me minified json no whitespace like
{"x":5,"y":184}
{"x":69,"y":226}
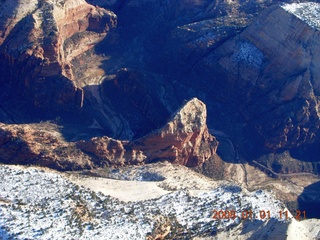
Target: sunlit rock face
{"x":184,"y":140}
{"x":39,"y":40}
{"x":257,"y":72}
{"x":40,"y":144}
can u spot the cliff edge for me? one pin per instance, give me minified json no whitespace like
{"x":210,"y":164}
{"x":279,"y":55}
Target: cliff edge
{"x":38,"y":41}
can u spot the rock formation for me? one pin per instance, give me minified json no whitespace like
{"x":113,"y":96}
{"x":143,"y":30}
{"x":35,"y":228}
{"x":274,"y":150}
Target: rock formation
{"x":256,"y":72}
{"x":38,"y":42}
{"x":109,"y":151}
{"x":269,"y":72}
{"x":40,"y":144}
{"x":184,"y":140}
{"x":196,"y":40}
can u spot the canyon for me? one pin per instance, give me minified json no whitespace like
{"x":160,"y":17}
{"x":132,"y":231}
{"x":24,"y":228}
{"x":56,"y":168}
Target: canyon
{"x":229,"y":89}
{"x":98,"y":77}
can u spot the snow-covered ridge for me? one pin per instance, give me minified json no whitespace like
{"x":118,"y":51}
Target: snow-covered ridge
{"x":307,"y":12}
{"x":37,"y":204}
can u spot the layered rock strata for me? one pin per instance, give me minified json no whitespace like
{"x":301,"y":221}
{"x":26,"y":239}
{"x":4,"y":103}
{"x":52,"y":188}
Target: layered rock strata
{"x":38,"y":41}
{"x":40,"y":144}
{"x":270,"y":73}
{"x":183,"y":140}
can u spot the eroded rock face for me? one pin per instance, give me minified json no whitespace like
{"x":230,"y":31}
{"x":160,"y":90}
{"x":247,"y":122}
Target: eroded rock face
{"x":270,"y":72}
{"x":40,"y":144}
{"x":135,"y":95}
{"x":202,"y":38}
{"x":111,"y":151}
{"x":184,"y":140}
{"x":254,"y":74}
{"x":39,"y":39}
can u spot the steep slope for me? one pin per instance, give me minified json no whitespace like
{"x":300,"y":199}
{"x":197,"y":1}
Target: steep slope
{"x":39,"y":39}
{"x":257,"y":76}
{"x":40,"y":144}
{"x":181,"y":40}
{"x":184,"y":140}
{"x":270,"y":74}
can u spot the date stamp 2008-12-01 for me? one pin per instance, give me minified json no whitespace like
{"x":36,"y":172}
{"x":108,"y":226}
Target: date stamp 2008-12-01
{"x":262,"y":214}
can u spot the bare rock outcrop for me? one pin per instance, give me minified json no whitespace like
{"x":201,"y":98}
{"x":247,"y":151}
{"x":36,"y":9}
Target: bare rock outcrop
{"x":40,"y":144}
{"x":270,"y":73}
{"x":184,"y":140}
{"x":38,"y":41}
{"x":109,"y":151}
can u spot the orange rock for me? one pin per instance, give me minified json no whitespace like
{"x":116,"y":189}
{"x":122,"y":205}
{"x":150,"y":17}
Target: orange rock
{"x":184,"y":140}
{"x":37,"y":45}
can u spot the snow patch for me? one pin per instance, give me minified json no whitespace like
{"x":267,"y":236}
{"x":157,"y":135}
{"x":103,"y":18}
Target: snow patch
{"x":307,"y":12}
{"x":249,"y":54}
{"x":45,"y":205}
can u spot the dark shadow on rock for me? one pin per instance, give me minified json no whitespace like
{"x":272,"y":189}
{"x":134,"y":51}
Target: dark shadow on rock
{"x":227,"y":150}
{"x":293,"y":161}
{"x":138,"y":101}
{"x":4,"y":234}
{"x":309,"y":201}
{"x":135,"y":95}
{"x":249,"y":226}
{"x":27,"y":91}
{"x":212,"y":168}
{"x":308,"y":153}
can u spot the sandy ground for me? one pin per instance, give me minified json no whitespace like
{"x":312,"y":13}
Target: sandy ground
{"x":175,"y":177}
{"x":123,"y":190}
{"x":252,"y":178}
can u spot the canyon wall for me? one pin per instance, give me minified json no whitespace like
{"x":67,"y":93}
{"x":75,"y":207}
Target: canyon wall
{"x":270,"y":72}
{"x":39,"y":39}
{"x":183,"y":140}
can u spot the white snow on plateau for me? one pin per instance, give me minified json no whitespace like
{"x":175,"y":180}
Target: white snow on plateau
{"x":41,"y":204}
{"x":307,"y":12}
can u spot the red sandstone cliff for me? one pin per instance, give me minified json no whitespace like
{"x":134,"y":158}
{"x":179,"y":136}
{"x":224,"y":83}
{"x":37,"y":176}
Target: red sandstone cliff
{"x":259,"y":81}
{"x":38,"y":41}
{"x":184,"y":139}
{"x":40,"y":144}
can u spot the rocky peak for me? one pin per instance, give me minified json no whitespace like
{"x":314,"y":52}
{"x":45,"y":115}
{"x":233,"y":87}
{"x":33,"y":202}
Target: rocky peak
{"x":184,"y":139}
{"x":191,"y":117}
